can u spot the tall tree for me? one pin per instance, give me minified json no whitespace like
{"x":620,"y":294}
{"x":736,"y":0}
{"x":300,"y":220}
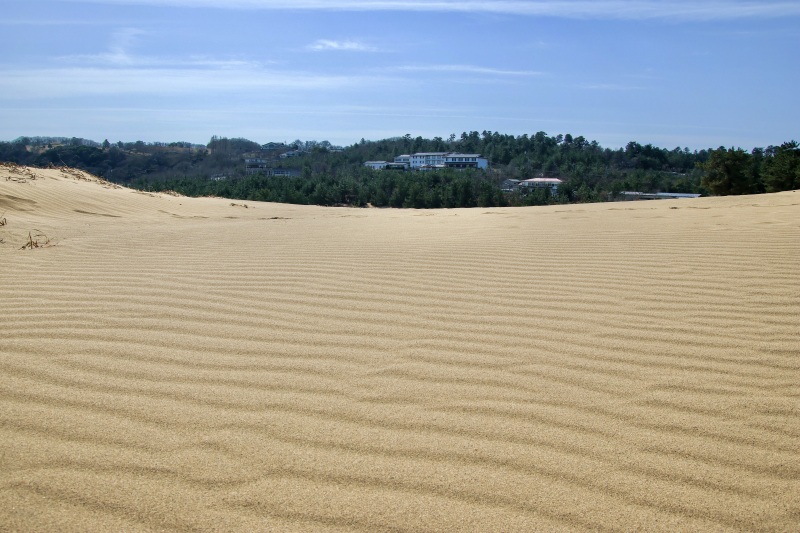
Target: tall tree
{"x":730,"y":172}
{"x":782,"y":170}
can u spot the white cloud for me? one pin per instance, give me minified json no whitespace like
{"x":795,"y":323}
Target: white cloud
{"x":322,"y":45}
{"x":610,"y":87}
{"x":124,"y":39}
{"x":94,"y":81}
{"x":119,"y":55}
{"x":466,"y":69}
{"x":118,"y":50}
{"x":605,"y":9}
{"x":54,"y":22}
{"x":110,"y":59}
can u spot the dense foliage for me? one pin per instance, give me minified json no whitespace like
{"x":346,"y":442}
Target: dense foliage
{"x":360,"y":187}
{"x":734,"y":171}
{"x":330,"y":176}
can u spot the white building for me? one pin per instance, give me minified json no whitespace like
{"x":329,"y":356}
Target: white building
{"x":542,"y":183}
{"x":432,"y":161}
{"x":465,"y":161}
{"x":428,"y":159}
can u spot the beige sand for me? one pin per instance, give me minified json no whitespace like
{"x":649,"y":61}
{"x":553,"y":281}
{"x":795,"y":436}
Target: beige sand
{"x":169,"y":363}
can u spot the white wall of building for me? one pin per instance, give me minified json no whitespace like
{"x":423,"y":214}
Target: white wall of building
{"x":442,"y":159}
{"x":542,"y":183}
{"x":466,"y":161}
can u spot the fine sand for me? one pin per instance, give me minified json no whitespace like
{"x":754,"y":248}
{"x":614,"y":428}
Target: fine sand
{"x":169,"y":363}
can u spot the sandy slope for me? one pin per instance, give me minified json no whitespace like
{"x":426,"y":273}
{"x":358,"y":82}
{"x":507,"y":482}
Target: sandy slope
{"x":169,"y":363}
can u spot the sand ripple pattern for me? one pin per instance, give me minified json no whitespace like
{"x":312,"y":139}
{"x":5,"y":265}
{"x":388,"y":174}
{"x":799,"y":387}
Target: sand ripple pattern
{"x":176,"y":364}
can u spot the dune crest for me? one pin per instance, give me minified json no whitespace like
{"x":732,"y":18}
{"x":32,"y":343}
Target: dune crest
{"x":171,"y":363}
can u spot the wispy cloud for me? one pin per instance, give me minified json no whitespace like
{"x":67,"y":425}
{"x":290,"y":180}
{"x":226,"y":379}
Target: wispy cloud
{"x":124,"y":39}
{"x":110,"y":60}
{"x":118,"y":51}
{"x":54,"y":22}
{"x":119,"y":54}
{"x":609,"y":87}
{"x":323,"y":45}
{"x":605,"y":9}
{"x":95,"y":81}
{"x":466,"y":69}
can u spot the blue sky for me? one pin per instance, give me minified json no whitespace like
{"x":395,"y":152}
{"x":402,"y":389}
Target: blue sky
{"x":695,"y":74}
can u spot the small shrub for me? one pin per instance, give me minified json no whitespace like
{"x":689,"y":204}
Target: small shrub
{"x":34,"y":240}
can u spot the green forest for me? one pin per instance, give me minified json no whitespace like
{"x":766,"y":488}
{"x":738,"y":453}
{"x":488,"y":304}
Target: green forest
{"x":327,"y":175}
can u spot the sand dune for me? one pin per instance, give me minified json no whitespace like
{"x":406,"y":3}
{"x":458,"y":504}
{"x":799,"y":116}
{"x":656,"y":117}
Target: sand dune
{"x":169,"y":363}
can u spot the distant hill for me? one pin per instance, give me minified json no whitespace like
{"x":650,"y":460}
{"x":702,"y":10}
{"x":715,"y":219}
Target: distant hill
{"x":332,"y":175}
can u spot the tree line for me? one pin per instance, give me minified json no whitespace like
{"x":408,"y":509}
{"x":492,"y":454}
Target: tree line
{"x":338,"y":177}
{"x":735,"y":171}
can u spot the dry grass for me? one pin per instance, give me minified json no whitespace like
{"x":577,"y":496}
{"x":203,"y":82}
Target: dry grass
{"x":14,"y":172}
{"x":36,"y":239}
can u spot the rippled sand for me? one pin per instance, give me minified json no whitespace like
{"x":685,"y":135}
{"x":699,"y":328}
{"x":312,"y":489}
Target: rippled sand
{"x":169,"y":363}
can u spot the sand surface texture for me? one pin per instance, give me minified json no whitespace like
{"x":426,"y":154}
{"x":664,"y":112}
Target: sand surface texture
{"x":169,"y":363}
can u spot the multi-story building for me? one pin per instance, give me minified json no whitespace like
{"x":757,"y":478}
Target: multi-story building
{"x":432,"y":161}
{"x":428,"y":159}
{"x":465,"y":161}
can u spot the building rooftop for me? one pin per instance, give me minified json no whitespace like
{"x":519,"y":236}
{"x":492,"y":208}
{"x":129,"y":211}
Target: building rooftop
{"x":544,"y":180}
